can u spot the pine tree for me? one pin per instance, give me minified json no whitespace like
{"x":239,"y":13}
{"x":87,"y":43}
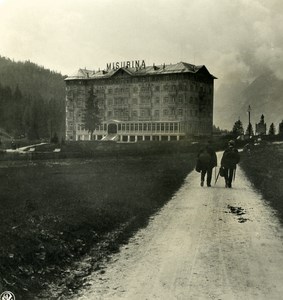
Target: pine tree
{"x":261,"y":126}
{"x":91,"y":116}
{"x":261,"y":119}
{"x":238,"y":128}
{"x":249,"y":130}
{"x":281,"y":128}
{"x":18,"y":113}
{"x":271,"y":129}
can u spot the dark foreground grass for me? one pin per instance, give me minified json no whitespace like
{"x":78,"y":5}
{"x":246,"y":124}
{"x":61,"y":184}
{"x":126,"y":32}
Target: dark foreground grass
{"x":264,"y":167}
{"x":54,"y":212}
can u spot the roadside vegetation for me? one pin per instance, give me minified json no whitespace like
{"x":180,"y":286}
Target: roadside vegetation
{"x":263,"y":166}
{"x":54,"y":212}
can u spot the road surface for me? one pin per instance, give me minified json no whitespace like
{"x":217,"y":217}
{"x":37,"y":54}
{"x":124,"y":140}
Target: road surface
{"x":206,"y":243}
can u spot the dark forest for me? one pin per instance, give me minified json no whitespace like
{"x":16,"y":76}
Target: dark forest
{"x":31,"y":101}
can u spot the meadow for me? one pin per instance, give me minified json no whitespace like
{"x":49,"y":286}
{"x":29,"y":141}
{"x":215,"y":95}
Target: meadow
{"x":264,"y":167}
{"x":54,"y":212}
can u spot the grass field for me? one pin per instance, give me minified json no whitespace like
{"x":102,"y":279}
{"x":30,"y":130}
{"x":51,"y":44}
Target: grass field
{"x":54,"y":212}
{"x":264,"y":167}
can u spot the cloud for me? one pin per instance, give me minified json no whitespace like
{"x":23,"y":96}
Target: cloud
{"x":234,"y":39}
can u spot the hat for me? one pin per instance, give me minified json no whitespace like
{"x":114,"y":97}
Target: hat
{"x":231,"y":143}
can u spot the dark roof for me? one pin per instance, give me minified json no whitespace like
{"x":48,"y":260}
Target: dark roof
{"x":180,"y":67}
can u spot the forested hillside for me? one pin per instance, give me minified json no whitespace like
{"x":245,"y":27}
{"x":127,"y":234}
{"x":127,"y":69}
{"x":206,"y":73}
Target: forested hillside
{"x":31,"y":100}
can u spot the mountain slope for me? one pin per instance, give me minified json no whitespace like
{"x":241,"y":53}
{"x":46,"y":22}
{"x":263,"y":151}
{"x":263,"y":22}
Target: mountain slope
{"x":264,"y":95}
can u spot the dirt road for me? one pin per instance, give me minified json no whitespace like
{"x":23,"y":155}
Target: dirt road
{"x":206,"y":243}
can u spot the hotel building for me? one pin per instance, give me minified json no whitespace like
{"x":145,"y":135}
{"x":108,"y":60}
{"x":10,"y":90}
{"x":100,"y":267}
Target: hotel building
{"x":138,"y":102}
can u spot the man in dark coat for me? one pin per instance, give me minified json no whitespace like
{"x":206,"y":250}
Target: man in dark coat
{"x":207,"y":160}
{"x":229,"y":161}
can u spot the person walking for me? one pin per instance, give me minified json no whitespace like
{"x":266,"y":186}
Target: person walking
{"x":207,"y":160}
{"x":229,"y":161}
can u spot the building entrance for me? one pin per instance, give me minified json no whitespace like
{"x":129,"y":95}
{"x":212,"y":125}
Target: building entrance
{"x":112,"y":128}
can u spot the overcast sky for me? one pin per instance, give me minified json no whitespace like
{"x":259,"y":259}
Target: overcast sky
{"x":233,"y":38}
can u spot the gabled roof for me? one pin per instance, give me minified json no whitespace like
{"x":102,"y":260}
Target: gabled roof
{"x":180,"y":67}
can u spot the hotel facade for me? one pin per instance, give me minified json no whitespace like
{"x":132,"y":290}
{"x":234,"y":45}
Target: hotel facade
{"x":138,"y":102}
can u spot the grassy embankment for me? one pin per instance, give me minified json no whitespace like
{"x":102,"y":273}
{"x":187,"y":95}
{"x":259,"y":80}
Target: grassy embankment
{"x":264,"y":167}
{"x":54,"y":212}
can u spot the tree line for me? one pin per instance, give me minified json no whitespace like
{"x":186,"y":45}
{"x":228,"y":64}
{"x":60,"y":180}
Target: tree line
{"x":238,"y":129}
{"x":27,"y":116}
{"x":32,"y":101}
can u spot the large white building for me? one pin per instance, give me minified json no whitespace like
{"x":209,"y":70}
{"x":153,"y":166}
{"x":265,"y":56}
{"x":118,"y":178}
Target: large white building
{"x":138,"y":102}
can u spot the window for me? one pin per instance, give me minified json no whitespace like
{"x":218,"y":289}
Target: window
{"x":165,"y":112}
{"x":156,"y":113}
{"x":165,"y":100}
{"x":110,"y":91}
{"x":135,"y":101}
{"x":180,"y":112}
{"x":145,"y":100}
{"x":135,"y":113}
{"x":180,"y":99}
{"x":157,"y":88}
{"x":157,"y":100}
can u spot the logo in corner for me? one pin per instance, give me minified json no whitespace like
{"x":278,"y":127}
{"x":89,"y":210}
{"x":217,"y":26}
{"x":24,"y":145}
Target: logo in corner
{"x":7,"y":296}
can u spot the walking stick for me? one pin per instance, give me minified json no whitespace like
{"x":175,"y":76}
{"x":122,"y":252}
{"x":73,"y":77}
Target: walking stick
{"x":217,"y":176}
{"x":234,"y":174}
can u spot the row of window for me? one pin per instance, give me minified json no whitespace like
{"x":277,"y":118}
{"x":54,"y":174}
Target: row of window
{"x":120,"y":101}
{"x":145,"y":113}
{"x":145,"y":126}
{"x":149,"y":127}
{"x":166,"y":87}
{"x":139,"y":127}
{"x":156,"y":100}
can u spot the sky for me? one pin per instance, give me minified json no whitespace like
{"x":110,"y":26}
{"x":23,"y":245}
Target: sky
{"x":234,"y":39}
